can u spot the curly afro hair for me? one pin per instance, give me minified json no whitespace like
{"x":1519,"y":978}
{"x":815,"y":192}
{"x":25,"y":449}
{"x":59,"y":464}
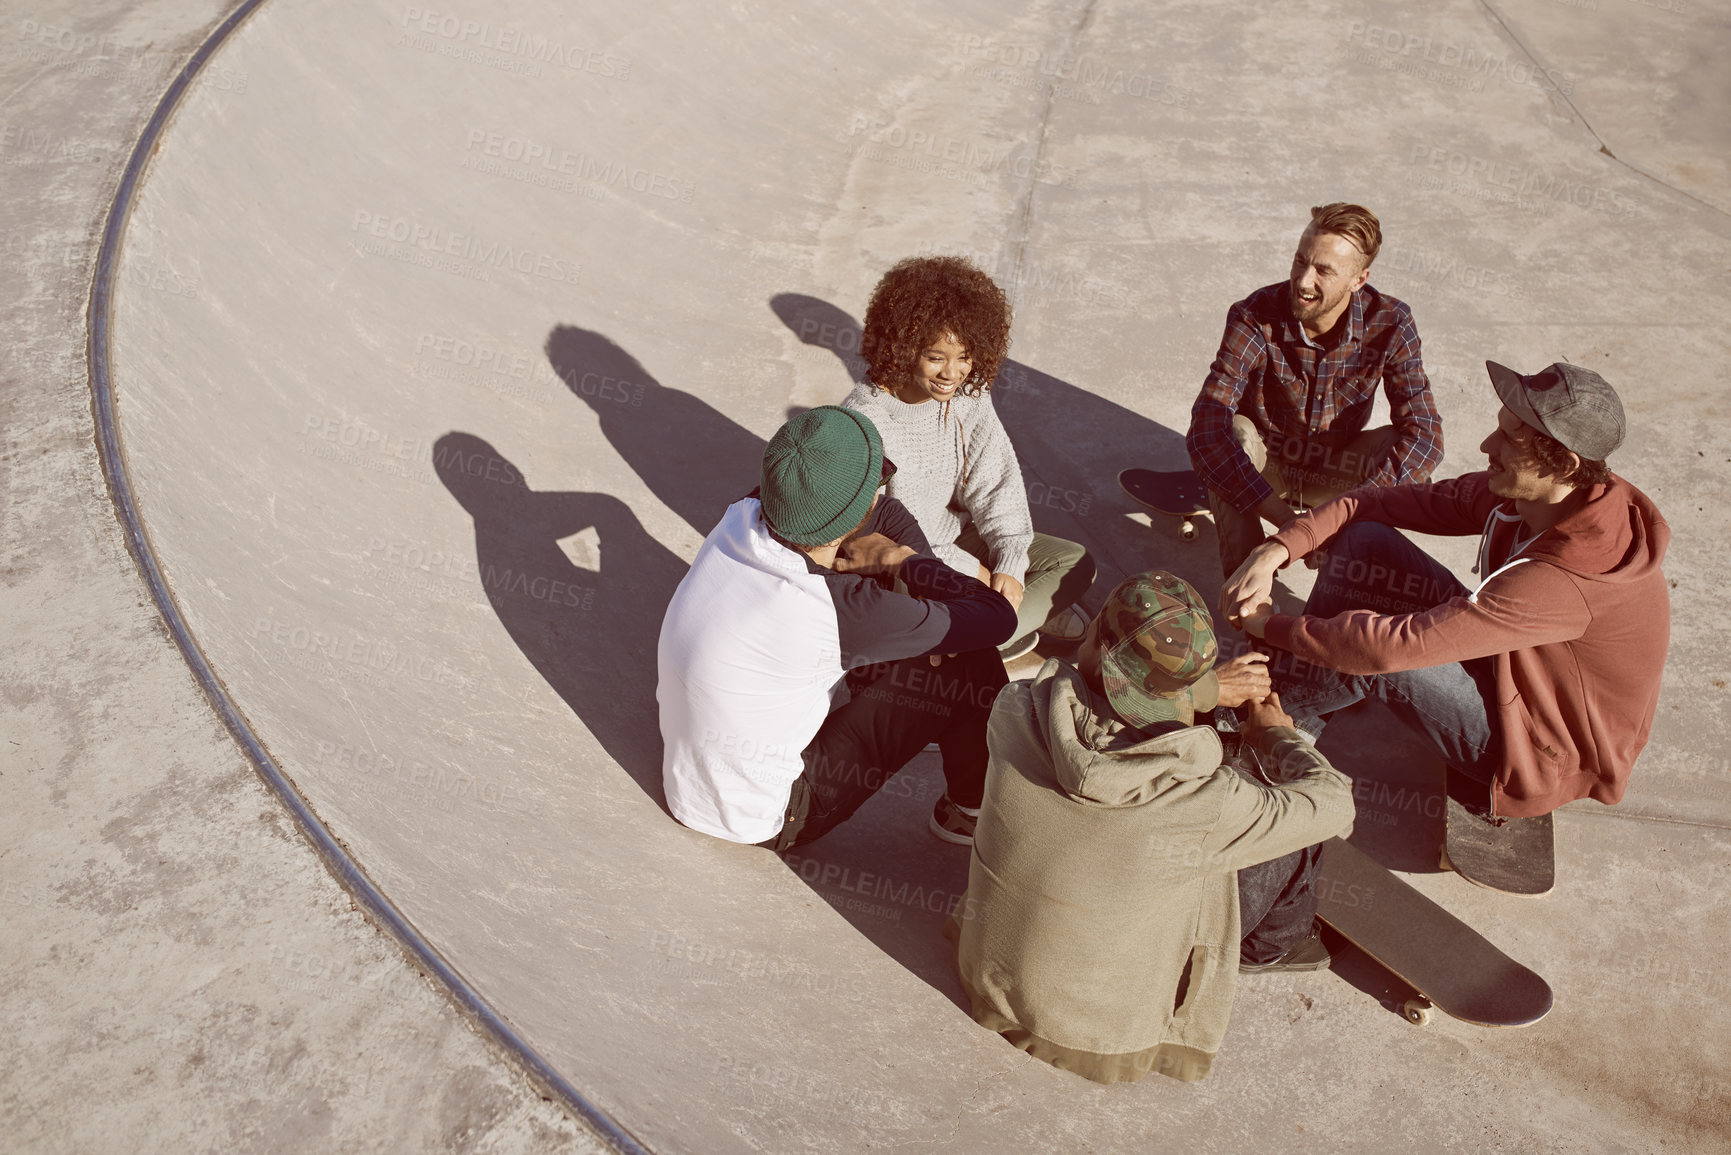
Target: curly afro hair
{"x":918,"y":301}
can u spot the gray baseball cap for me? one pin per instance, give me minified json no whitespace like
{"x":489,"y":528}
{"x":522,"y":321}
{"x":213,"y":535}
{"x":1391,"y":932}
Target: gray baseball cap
{"x":1573,"y":406}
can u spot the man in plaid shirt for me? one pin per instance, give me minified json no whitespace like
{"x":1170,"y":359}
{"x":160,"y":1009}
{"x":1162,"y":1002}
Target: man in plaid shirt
{"x":1281,"y":418}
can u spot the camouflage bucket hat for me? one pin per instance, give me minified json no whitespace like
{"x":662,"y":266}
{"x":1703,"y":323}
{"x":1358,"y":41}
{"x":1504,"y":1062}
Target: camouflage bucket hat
{"x":1156,"y":639}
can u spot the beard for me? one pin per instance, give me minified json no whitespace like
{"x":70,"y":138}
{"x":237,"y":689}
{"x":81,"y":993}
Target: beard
{"x":1309,"y":310}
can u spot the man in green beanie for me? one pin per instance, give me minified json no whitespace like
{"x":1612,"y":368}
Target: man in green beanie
{"x":1122,"y":877}
{"x":794,"y":680}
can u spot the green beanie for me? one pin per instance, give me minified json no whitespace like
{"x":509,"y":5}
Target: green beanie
{"x":819,"y":474}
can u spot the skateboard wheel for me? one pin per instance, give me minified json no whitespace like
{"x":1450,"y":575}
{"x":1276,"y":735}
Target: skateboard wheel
{"x":1187,"y":531}
{"x":1417,"y":1011}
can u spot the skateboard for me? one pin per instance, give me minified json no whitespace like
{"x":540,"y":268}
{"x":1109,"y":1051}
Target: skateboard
{"x":1171,"y":493}
{"x":1447,"y":962}
{"x":1517,"y":857}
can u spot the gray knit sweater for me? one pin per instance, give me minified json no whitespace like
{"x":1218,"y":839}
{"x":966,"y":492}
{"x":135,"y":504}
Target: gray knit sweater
{"x":955,"y":465}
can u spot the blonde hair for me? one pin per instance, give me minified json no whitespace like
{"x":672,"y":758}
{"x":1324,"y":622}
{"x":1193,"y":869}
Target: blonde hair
{"x":1354,"y":222}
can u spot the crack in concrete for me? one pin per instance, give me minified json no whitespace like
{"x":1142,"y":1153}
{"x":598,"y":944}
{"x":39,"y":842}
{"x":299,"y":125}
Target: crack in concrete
{"x":1022,"y":224}
{"x":1022,"y":220}
{"x":1657,"y":818}
{"x":1599,"y":140}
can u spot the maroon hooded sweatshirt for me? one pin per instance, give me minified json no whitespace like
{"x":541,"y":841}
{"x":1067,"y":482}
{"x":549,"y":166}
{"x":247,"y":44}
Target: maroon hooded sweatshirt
{"x":1578,"y":623}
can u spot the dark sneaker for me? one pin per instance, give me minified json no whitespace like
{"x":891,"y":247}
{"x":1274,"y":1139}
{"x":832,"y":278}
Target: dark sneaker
{"x":1307,"y":954}
{"x":954,"y":823}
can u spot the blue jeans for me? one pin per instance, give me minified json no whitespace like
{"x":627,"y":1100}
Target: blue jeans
{"x":1371,"y":566}
{"x":1277,"y":904}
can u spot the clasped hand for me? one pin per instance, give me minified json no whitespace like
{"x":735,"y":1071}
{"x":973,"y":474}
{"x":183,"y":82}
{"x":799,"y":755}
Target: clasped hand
{"x":1247,"y":598}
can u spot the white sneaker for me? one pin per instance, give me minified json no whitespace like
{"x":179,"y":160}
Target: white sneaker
{"x":1067,"y":625}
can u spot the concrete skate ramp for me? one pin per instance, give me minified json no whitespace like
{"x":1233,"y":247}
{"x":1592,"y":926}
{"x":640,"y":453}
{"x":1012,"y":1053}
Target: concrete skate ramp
{"x":444,"y":336}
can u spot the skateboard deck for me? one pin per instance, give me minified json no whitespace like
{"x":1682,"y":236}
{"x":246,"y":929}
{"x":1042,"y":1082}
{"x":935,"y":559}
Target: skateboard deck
{"x":1518,"y":857}
{"x":1447,"y":962}
{"x":1172,"y":493}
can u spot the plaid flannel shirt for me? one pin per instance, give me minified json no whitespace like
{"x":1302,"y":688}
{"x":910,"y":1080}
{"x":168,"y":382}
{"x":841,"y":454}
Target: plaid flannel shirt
{"x":1293,"y":390}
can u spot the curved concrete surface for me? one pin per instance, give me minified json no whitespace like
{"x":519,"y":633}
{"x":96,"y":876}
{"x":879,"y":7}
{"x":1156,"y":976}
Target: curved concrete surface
{"x":443,"y":340}
{"x":182,"y":975}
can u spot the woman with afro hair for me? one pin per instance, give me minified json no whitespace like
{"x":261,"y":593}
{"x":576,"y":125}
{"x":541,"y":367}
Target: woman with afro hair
{"x":936,"y":333}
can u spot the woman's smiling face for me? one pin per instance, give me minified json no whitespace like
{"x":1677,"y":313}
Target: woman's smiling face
{"x":939,"y":371}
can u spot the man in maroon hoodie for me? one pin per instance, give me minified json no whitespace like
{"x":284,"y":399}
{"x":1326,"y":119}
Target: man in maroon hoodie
{"x":1542,"y":683}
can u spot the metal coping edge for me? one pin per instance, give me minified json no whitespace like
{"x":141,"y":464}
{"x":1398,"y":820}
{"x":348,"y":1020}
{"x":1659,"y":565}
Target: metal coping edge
{"x":336,"y":857}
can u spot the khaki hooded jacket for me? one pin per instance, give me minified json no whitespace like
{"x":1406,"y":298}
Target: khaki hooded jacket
{"x":1101,"y":928}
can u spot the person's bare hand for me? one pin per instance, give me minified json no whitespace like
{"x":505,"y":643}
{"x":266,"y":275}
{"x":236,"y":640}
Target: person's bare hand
{"x":1244,"y":679}
{"x":1009,"y":587}
{"x":1252,"y":583}
{"x":1266,"y":715}
{"x":872,"y":554}
{"x":1255,"y":623}
{"x":937,"y":659}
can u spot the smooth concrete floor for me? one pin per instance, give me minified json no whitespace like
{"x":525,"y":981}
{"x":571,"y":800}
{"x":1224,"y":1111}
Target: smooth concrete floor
{"x":444,"y":336}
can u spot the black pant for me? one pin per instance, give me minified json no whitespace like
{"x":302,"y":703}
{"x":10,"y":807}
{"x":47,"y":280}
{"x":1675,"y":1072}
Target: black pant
{"x":897,"y":707}
{"x":1276,"y":904}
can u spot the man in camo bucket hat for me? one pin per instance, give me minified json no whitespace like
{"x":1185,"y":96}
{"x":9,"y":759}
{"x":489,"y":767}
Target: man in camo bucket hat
{"x":1120,"y":867}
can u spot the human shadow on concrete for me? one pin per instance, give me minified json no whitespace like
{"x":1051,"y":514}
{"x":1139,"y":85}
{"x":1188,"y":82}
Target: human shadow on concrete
{"x":693,"y":457}
{"x":881,"y":870}
{"x":589,"y":629}
{"x":1071,"y":444}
